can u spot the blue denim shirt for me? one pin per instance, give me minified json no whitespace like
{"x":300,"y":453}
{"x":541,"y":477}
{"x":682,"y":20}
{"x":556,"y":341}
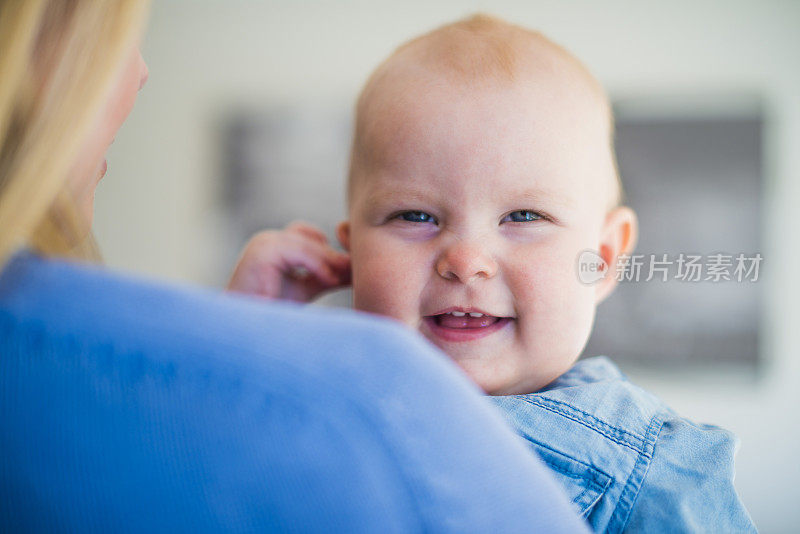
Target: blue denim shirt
{"x":627,"y":461}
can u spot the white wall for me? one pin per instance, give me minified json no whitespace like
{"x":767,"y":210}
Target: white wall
{"x":155,"y":208}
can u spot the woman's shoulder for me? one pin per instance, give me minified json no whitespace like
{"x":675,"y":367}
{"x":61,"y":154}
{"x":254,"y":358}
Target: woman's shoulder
{"x":150,"y":382}
{"x":97,"y":307}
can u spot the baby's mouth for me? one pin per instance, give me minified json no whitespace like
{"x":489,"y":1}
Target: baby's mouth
{"x":456,"y":319}
{"x":461,"y":325}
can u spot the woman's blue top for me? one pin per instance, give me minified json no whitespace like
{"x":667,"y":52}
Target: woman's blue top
{"x":127,"y":405}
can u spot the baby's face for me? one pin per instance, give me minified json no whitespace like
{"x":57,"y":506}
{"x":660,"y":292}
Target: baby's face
{"x":467,"y":219}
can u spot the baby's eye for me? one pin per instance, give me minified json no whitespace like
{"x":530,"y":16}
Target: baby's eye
{"x":416,"y":217}
{"x":520,"y":216}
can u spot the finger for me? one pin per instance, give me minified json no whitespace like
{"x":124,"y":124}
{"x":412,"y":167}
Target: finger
{"x":345,"y":276}
{"x":312,"y":288}
{"x":308,"y":230}
{"x":303,"y":258}
{"x":337,"y":260}
{"x":341,"y":277}
{"x":341,"y":266}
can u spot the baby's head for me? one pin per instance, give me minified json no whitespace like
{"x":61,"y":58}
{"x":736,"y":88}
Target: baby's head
{"x":482,"y":166}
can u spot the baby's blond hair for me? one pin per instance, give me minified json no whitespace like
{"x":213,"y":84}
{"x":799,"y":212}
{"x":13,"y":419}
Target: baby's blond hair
{"x":483,"y":49}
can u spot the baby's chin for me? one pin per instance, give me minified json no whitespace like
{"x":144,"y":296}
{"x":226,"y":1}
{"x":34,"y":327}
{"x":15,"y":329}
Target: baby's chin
{"x":504,"y":378}
{"x":495,"y":363}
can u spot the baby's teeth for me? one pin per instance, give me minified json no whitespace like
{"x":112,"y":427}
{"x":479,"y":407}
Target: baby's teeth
{"x":475,"y":314}
{"x":458,"y":314}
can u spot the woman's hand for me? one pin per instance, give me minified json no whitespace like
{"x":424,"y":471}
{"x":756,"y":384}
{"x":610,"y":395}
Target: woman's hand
{"x":293,"y":264}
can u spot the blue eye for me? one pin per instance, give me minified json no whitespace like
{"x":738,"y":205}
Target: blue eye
{"x":520,"y":216}
{"x":417,"y":217}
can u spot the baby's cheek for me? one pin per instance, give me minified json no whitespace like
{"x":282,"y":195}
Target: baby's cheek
{"x":382,"y":283}
{"x":559,"y":306}
{"x":575,"y":314}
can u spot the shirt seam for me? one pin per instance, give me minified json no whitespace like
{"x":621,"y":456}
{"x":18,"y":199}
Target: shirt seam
{"x":589,"y":421}
{"x":630,"y":492}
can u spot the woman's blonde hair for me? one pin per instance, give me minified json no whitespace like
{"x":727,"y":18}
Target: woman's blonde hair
{"x":58,"y":62}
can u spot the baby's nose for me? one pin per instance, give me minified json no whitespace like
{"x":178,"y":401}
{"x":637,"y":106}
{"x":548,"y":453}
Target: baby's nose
{"x":466,"y":262}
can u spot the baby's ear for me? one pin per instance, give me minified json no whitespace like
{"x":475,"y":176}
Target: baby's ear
{"x":618,"y":237}
{"x":343,"y":234}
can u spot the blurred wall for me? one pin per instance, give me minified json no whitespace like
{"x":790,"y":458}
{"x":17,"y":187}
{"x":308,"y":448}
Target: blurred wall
{"x":156,"y":211}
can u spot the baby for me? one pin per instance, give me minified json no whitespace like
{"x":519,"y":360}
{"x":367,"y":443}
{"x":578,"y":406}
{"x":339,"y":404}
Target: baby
{"x":482,"y":166}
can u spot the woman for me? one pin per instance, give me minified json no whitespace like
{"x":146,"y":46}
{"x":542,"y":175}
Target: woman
{"x":132,"y":405}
